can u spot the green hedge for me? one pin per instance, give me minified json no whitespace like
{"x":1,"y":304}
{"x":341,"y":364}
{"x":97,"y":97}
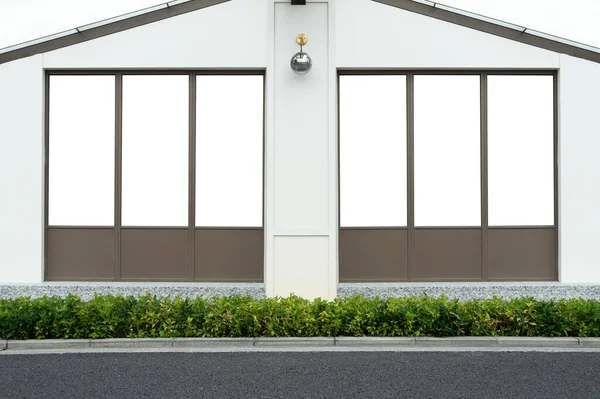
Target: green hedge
{"x":148,"y":316}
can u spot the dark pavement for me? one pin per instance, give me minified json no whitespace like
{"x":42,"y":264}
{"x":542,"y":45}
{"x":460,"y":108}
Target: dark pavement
{"x":302,"y":375}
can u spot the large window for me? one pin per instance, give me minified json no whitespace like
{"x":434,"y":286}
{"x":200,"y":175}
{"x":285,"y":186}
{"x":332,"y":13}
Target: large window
{"x":521,"y":150}
{"x":155,"y":176}
{"x":447,"y":147}
{"x":447,"y":176}
{"x":155,"y":150}
{"x":373,"y":148}
{"x":81,"y":151}
{"x":229,"y":142}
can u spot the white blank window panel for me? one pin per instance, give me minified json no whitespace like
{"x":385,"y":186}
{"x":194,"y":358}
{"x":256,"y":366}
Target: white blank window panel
{"x":81,"y":151}
{"x":155,"y":150}
{"x":521,"y":150}
{"x":447,"y":151}
{"x":229,"y":151}
{"x":373,"y":151}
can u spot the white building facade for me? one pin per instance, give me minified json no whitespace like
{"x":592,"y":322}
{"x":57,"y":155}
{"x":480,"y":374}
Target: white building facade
{"x":425,"y":145}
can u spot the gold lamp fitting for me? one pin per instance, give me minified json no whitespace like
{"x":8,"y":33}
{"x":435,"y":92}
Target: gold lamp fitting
{"x":301,"y":62}
{"x":302,"y":39}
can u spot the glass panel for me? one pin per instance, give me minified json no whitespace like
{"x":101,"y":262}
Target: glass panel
{"x":447,"y":151}
{"x":373,"y":151}
{"x":229,"y":151}
{"x":521,"y":150}
{"x":81,"y":151}
{"x":155,"y":150}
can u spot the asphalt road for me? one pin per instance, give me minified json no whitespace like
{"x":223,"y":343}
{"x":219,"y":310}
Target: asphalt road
{"x":302,"y":375}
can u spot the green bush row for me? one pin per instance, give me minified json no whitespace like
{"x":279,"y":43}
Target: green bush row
{"x":148,"y":316}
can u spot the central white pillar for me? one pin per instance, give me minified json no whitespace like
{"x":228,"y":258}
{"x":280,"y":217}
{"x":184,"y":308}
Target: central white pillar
{"x":301,"y":142}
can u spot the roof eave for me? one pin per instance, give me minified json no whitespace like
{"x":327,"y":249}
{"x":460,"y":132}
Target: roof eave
{"x":521,"y":36}
{"x":107,"y":29}
{"x":494,"y":29}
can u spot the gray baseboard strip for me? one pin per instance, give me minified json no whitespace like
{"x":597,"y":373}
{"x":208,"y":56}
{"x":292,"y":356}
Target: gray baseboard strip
{"x":86,"y":291}
{"x":475,"y":290}
{"x":458,"y":290}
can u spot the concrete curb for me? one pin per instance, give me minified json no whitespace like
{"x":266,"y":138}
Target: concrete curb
{"x":589,"y":342}
{"x":313,"y":342}
{"x":292,"y":341}
{"x":457,"y":342}
{"x":48,"y":344}
{"x":212,"y":342}
{"x":537,"y":342}
{"x":131,"y":343}
{"x":375,"y":341}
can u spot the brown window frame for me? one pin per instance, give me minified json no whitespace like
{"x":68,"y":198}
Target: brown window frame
{"x":390,"y":275}
{"x":235,"y":274}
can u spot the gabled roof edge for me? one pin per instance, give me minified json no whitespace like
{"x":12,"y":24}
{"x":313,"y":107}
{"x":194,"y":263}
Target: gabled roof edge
{"x":107,"y":29}
{"x":433,"y":10}
{"x":544,"y":41}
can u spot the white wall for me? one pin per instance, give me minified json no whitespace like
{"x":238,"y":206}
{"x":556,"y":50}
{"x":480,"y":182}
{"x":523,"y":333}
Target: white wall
{"x":301,"y":145}
{"x":301,"y":223}
{"x":579,"y":171}
{"x":228,"y":35}
{"x":21,"y":171}
{"x":374,"y":35}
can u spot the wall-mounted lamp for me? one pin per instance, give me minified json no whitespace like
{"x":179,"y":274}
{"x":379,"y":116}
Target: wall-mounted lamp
{"x":301,"y":62}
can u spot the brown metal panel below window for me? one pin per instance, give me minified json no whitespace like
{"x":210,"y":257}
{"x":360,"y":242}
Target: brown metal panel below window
{"x":522,"y":254}
{"x":229,"y":255}
{"x":79,"y":254}
{"x":447,"y":255}
{"x":373,"y":255}
{"x":154,"y":254}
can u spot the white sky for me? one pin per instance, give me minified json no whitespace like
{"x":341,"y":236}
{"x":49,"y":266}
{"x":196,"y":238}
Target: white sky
{"x":22,"y":20}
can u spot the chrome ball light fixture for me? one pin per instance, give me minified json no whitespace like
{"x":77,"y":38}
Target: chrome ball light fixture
{"x":301,"y":63}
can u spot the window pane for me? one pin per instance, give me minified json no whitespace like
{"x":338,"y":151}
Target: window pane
{"x":81,"y":150}
{"x":229,"y":151}
{"x":155,"y":150}
{"x":373,"y":151}
{"x":521,"y":150}
{"x":447,"y":151}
